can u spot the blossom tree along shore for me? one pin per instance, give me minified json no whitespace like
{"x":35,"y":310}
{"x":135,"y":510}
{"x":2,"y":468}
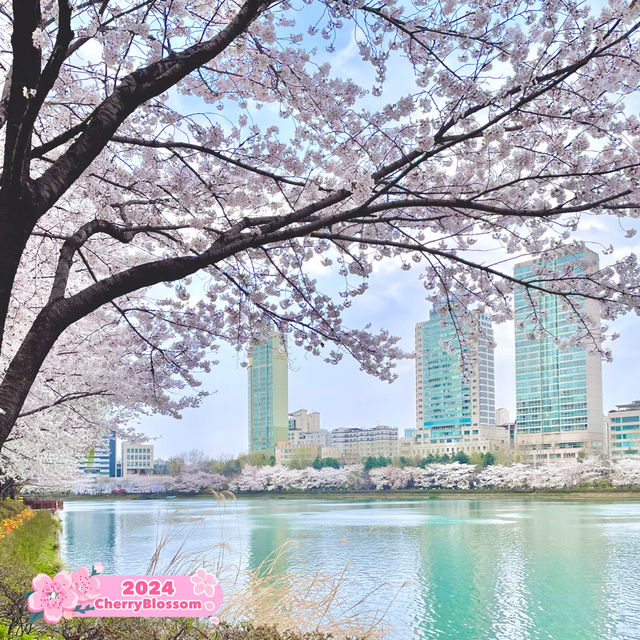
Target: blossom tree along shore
{"x":151,"y":140}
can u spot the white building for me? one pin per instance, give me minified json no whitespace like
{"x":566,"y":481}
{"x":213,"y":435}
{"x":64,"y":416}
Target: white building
{"x":623,"y":430}
{"x":358,"y":444}
{"x":137,"y":459}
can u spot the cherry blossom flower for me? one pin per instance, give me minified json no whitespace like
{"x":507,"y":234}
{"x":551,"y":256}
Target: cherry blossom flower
{"x":86,"y":586}
{"x":204,"y":582}
{"x":53,"y":597}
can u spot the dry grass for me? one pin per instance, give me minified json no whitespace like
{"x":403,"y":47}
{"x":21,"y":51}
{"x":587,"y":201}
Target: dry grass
{"x":292,"y":600}
{"x":302,"y":601}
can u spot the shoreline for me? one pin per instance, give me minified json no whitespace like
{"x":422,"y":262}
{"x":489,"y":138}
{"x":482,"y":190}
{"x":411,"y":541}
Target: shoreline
{"x":416,"y":494}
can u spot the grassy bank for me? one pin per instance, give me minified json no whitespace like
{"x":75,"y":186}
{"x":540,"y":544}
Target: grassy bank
{"x":30,"y":549}
{"x":10,"y":508}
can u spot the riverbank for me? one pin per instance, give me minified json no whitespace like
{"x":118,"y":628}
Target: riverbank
{"x":403,"y":494}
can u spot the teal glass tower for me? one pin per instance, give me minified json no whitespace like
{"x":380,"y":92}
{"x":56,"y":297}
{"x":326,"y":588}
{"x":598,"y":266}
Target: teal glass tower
{"x":558,"y":390}
{"x":268,"y":395}
{"x":448,"y":407}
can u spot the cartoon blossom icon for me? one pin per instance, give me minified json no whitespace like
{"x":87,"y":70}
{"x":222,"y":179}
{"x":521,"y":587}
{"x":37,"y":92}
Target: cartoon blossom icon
{"x":204,"y":582}
{"x":54,"y":597}
{"x":86,"y":585}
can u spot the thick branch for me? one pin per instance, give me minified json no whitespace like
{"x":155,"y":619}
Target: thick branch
{"x":47,"y":78}
{"x":78,"y":239}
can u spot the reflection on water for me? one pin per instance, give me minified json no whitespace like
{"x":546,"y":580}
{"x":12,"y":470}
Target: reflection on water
{"x":462,"y":569}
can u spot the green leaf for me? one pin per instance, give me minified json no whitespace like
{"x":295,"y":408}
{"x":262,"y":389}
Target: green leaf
{"x":37,"y":615}
{"x":26,"y":595}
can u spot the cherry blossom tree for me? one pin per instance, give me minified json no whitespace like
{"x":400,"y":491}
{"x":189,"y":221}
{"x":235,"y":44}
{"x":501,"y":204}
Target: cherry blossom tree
{"x":626,"y":473}
{"x":279,"y":478}
{"x":194,"y":480}
{"x":175,"y":171}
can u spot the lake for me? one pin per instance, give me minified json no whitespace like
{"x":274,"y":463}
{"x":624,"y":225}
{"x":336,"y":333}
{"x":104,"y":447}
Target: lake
{"x":472,"y":569}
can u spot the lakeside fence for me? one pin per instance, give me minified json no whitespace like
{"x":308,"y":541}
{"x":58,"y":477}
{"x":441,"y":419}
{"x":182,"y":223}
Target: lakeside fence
{"x":41,"y":503}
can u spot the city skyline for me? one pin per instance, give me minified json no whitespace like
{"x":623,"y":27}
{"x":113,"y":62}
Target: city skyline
{"x":396,"y":301}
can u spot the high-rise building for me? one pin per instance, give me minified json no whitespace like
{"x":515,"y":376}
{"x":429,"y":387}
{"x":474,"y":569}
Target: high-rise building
{"x":558,"y":387}
{"x":623,"y":430}
{"x":268,"y":395}
{"x":451,"y":410}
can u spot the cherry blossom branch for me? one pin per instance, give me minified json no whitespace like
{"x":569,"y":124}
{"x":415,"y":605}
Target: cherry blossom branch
{"x":138,"y":87}
{"x":67,"y":397}
{"x":172,"y":144}
{"x":422,"y":248}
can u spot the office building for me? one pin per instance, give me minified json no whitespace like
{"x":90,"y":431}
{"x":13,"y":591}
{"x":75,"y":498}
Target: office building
{"x":356,"y":445}
{"x":349,"y":435}
{"x":452,"y":409}
{"x":623,"y":430}
{"x":137,"y":459}
{"x":268,"y":395}
{"x":558,"y":387}
{"x":101,"y":461}
{"x":302,"y":420}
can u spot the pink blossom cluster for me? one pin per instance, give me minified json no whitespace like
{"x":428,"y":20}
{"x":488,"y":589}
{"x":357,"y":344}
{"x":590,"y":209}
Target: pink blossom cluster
{"x":59,"y":597}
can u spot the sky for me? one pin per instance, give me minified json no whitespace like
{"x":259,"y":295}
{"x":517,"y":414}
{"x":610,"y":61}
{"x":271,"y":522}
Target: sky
{"x":344,"y":395}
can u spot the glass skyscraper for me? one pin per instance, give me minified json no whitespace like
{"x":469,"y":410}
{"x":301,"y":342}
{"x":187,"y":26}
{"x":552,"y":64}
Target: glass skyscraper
{"x":450,"y":409}
{"x":558,"y":390}
{"x":268,"y":395}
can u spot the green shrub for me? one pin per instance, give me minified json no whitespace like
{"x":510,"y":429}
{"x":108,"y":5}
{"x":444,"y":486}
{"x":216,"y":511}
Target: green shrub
{"x":9,"y":508}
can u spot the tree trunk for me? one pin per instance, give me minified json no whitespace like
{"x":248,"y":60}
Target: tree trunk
{"x":13,"y":240}
{"x":24,"y":367}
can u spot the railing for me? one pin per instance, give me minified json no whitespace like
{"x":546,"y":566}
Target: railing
{"x":41,"y":503}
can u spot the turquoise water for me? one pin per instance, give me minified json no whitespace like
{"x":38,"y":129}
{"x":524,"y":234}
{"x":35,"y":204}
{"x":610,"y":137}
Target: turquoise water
{"x":472,"y":569}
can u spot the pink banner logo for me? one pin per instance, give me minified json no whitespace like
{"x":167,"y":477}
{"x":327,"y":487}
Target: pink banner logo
{"x":84,"y":594}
